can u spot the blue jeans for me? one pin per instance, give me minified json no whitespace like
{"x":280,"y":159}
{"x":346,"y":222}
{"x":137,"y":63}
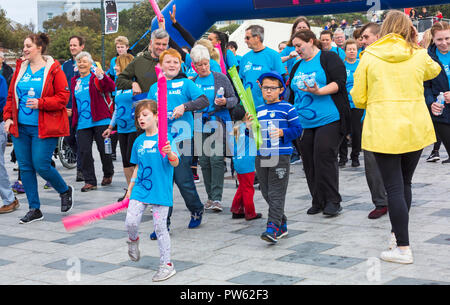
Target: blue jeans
{"x":34,"y":155}
{"x":184,"y":179}
{"x":6,"y":193}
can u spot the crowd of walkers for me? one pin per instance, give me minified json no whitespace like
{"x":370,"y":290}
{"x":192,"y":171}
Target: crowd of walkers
{"x":378,"y":92}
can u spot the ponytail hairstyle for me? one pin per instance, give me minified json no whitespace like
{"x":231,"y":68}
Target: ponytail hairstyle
{"x":40,"y":40}
{"x":307,"y":35}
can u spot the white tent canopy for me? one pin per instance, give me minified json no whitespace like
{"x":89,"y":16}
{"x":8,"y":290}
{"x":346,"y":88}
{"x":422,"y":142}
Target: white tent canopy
{"x":274,"y":33}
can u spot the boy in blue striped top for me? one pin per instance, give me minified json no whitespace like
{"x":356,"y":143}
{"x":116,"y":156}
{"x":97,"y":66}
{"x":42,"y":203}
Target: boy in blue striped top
{"x":279,"y":127}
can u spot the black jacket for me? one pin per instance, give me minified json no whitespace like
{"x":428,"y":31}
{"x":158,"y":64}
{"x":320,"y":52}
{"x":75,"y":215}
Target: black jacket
{"x":335,"y":71}
{"x":435,"y":86}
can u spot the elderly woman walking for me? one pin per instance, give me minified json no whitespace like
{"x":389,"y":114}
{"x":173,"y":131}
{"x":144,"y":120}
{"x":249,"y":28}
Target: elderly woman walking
{"x":91,"y":117}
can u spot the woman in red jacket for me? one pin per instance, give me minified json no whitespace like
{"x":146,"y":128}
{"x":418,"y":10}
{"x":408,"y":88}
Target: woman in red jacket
{"x":35,"y":114}
{"x":91,"y":117}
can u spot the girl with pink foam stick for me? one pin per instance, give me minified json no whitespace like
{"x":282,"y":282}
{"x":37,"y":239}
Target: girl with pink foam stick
{"x":151,"y":184}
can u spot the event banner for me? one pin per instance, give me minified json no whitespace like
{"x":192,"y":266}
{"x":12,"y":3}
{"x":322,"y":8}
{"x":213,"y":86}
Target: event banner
{"x":111,"y":17}
{"x":260,"y":4}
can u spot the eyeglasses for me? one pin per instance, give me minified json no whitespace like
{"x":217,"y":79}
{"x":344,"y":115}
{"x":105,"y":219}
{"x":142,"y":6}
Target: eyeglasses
{"x":265,"y":88}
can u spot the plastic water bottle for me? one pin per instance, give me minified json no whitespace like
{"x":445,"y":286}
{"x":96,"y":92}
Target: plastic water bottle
{"x":108,"y":148}
{"x":440,"y":101}
{"x":31,"y":93}
{"x":220,"y":93}
{"x":271,"y":128}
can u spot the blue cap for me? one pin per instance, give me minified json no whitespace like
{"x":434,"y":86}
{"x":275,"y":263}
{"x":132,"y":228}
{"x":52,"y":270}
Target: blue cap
{"x":274,"y":75}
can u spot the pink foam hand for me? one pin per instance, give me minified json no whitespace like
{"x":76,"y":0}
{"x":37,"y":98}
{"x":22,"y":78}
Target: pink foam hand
{"x":75,"y":221}
{"x":156,"y":10}
{"x":222,"y":63}
{"x":162,"y":109}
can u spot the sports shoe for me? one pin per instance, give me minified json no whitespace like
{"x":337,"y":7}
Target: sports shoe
{"x":446,"y":161}
{"x":283,"y":231}
{"x":392,"y":242}
{"x":67,"y":200}
{"x":17,"y":188}
{"x":237,"y":215}
{"x":257,"y":216}
{"x":434,"y":156}
{"x":355,"y":163}
{"x":196,"y":179}
{"x":208,"y":205}
{"x":153,"y":236}
{"x":342,"y":163}
{"x":217,"y":206}
{"x":8,"y":208}
{"x":47,"y":185}
{"x":164,"y":273}
{"x":196,"y":220}
{"x":271,"y":233}
{"x":332,"y":209}
{"x":133,"y":250}
{"x":32,"y":216}
{"x":295,"y":160}
{"x":398,"y":256}
{"x":378,"y":212}
{"x":314,"y":210}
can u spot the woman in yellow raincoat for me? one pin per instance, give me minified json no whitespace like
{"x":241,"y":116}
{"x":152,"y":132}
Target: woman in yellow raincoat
{"x":389,"y":85}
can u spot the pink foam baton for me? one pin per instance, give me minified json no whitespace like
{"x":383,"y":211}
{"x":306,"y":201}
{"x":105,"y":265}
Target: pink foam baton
{"x":162,"y":109}
{"x":156,"y":10}
{"x":222,"y":63}
{"x":75,"y":221}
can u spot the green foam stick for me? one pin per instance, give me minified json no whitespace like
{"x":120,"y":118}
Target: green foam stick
{"x":248,"y":103}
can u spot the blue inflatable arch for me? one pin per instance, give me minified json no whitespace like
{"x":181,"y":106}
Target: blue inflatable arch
{"x":197,"y":16}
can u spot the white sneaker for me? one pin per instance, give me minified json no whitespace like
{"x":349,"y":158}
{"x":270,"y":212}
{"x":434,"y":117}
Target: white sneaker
{"x":217,"y":206}
{"x":164,"y":272}
{"x":208,"y":205}
{"x":133,"y":250}
{"x":392,"y":242}
{"x":398,"y":256}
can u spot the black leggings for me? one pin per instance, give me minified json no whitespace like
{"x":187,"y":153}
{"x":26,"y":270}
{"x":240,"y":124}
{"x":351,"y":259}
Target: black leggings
{"x":443,"y":134}
{"x":126,"y":141}
{"x":397,"y":172}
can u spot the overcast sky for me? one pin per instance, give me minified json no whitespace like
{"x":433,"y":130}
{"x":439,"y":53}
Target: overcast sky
{"x":22,"y":11}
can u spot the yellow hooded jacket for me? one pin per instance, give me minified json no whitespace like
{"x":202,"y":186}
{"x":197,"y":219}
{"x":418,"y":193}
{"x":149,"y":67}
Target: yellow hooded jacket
{"x":389,"y":85}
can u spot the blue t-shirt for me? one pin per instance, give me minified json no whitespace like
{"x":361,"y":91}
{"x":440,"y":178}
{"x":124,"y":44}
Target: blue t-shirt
{"x":28,"y":83}
{"x":351,"y":68}
{"x":254,"y":64}
{"x":230,"y":60}
{"x":111,"y":70}
{"x":124,"y":111}
{"x":313,"y":110}
{"x":190,"y":72}
{"x":84,"y":105}
{"x":445,"y":60}
{"x":238,"y":58}
{"x":244,"y":151}
{"x":291,"y":62}
{"x":281,"y":115}
{"x":339,"y":52}
{"x":154,"y":181}
{"x":179,"y":91}
{"x":3,"y":92}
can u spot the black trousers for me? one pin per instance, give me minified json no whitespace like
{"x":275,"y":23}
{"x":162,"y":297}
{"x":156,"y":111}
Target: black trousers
{"x":85,"y":138}
{"x":319,"y":150}
{"x":443,"y":134}
{"x":397,"y":172}
{"x":126,"y":141}
{"x":356,"y":124}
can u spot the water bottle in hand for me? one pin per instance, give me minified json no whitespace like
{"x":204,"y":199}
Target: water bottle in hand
{"x":31,"y":93}
{"x":440,"y":101}
{"x":108,"y":148}
{"x":271,"y":128}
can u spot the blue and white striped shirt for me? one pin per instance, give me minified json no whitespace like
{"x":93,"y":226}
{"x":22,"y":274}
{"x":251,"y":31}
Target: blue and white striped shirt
{"x":284,"y":116}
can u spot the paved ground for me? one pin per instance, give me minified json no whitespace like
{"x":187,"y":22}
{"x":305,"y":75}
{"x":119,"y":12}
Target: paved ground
{"x":319,"y":250}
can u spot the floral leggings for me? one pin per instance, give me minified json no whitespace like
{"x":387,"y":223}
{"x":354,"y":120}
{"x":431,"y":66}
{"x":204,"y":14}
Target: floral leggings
{"x":134,"y":216}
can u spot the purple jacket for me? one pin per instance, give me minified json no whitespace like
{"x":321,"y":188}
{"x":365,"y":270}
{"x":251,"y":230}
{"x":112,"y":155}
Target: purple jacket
{"x":99,"y":108}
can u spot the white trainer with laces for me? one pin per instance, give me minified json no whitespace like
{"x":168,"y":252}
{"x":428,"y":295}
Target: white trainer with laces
{"x":398,"y":256}
{"x":164,"y":272}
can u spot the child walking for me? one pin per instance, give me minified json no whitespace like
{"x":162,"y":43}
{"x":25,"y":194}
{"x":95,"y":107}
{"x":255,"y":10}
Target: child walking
{"x":244,"y":165}
{"x":279,"y":127}
{"x":151,"y":184}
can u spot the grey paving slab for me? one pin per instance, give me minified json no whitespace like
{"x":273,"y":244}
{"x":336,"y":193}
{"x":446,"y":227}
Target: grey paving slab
{"x":91,"y":234}
{"x":442,"y":213}
{"x":6,"y":240}
{"x":413,"y":281}
{"x":86,"y":266}
{"x":442,"y":239}
{"x":4,"y":262}
{"x":152,"y":263}
{"x":262,"y":278}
